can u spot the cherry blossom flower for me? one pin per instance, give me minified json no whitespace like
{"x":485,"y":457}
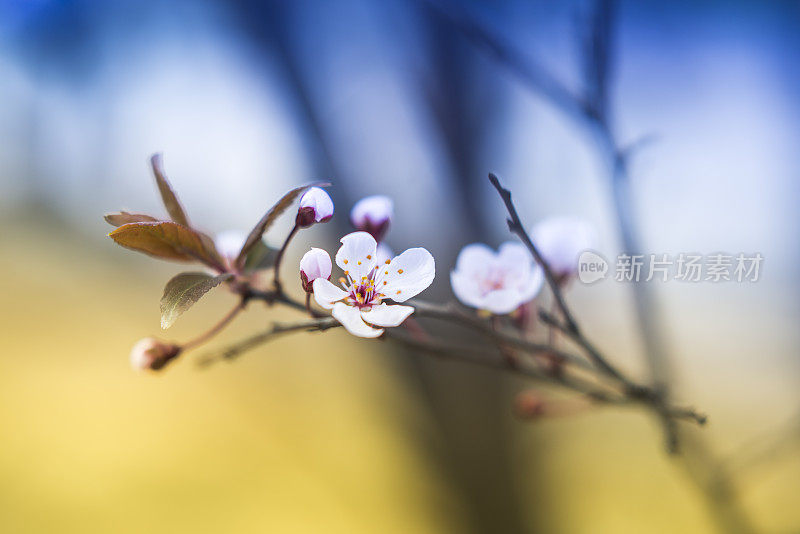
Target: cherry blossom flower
{"x":316,"y":263}
{"x":360,"y":306}
{"x":373,"y":215}
{"x":498,"y":282}
{"x":152,"y":354}
{"x":561,"y":240}
{"x":316,"y":206}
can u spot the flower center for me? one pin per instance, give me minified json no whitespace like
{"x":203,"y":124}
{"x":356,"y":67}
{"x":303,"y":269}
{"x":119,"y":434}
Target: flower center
{"x":362,"y":293}
{"x":493,"y":280}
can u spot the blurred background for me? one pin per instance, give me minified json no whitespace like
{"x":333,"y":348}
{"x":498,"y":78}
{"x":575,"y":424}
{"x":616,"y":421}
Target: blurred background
{"x":407,"y":98}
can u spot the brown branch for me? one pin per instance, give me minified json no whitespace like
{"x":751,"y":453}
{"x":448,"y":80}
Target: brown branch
{"x":216,"y":329}
{"x":276,"y":330}
{"x":571,"y":328}
{"x":277,"y":267}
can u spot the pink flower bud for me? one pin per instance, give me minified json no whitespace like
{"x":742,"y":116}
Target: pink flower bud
{"x":316,"y":206}
{"x":316,"y":263}
{"x":151,"y":354}
{"x":373,"y":215}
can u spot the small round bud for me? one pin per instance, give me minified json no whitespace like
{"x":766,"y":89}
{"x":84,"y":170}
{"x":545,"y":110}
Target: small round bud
{"x":373,"y":215}
{"x":152,"y":354}
{"x":316,"y":206}
{"x":316,"y":263}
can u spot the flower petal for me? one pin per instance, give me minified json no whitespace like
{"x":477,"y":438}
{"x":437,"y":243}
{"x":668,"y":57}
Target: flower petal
{"x":376,"y":209}
{"x":350,"y":317}
{"x":316,"y":263}
{"x":515,"y":259}
{"x":317,"y":199}
{"x":326,"y":294}
{"x":357,"y":256}
{"x":383,"y":253}
{"x":386,"y":315}
{"x":474,"y":259}
{"x":407,"y":275}
{"x":466,"y":289}
{"x":533,"y":284}
{"x":502,"y":301}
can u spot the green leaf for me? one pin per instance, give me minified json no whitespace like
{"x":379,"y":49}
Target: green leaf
{"x":168,"y":240}
{"x":123,"y":217}
{"x":269,"y":218}
{"x":168,"y":196}
{"x":183,"y":291}
{"x":261,"y":256}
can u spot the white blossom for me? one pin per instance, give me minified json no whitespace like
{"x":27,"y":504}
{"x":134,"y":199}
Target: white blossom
{"x":561,"y":240}
{"x":360,"y":305}
{"x":498,"y":282}
{"x":316,"y":263}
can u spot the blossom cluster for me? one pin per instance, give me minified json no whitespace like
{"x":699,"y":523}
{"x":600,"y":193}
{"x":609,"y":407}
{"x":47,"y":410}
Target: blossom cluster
{"x":494,"y":282}
{"x":375,"y":287}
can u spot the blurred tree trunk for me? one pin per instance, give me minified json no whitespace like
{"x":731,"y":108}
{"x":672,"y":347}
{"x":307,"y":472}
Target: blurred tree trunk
{"x":470,"y":408}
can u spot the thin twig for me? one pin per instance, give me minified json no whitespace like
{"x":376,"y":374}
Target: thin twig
{"x":516,"y":227}
{"x":277,"y":329}
{"x":217,"y":328}
{"x":452,"y":314}
{"x":278,"y":259}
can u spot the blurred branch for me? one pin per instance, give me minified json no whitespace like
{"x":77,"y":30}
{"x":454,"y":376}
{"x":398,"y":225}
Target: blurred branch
{"x":529,"y":70}
{"x":591,"y":109}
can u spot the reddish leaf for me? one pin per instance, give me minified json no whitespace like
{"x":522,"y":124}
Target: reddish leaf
{"x":269,"y":218}
{"x":168,"y":196}
{"x":168,"y":240}
{"x":123,"y":217}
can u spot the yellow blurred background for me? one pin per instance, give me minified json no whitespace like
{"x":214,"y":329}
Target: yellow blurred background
{"x":309,"y":433}
{"x":326,"y":433}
